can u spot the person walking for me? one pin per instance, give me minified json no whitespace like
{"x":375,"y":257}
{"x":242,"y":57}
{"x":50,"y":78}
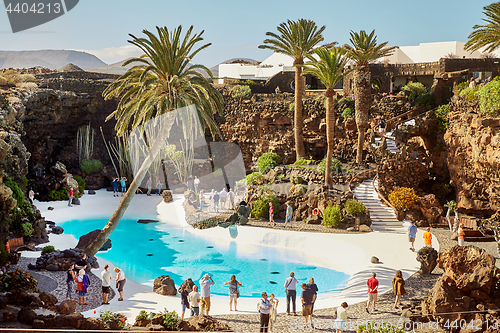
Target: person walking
{"x":31,"y":196}
{"x":234,"y":293}
{"x":71,"y":196}
{"x":83,"y":283}
{"x":264,"y":309}
{"x":311,"y":285}
{"x":120,"y":282}
{"x":106,"y":284}
{"x":289,"y":212}
{"x":216,"y":202}
{"x":230,"y":197}
{"x":190,"y":183}
{"x":271,"y":214}
{"x":70,"y":279}
{"x":223,"y":196}
{"x":196,"y":183}
{"x":412,"y":234}
{"x":184,"y":300}
{"x":381,"y":125}
{"x":158,"y":185}
{"x":115,"y":187}
{"x":291,"y":292}
{"x":194,"y":301}
{"x":461,"y":234}
{"x":205,"y":283}
{"x":273,"y":313}
{"x":307,"y":298}
{"x":372,"y":285}
{"x":398,"y":286}
{"x":123,"y":184}
{"x":428,"y":237}
{"x":149,"y":185}
{"x":341,"y":317}
{"x":202,"y":196}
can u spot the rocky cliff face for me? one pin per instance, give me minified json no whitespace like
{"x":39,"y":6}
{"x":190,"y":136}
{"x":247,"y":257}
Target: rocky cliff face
{"x":473,"y":157}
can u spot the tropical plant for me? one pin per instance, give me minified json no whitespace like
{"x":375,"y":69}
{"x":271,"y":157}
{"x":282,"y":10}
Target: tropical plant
{"x":296,"y":39}
{"x":120,"y":151}
{"x":170,"y":320}
{"x":403,"y":198}
{"x":296,"y":179}
{"x":260,"y":207}
{"x":240,"y":91}
{"x":255,"y":178}
{"x":17,"y":280}
{"x":348,"y":112}
{"x":112,"y":320}
{"x":23,"y":207}
{"x":58,"y":195}
{"x":329,"y":69}
{"x":452,"y":207}
{"x":336,"y":166}
{"x":441,"y":114}
{"x":487,"y":35}
{"x":161,"y":81}
{"x":27,"y":229}
{"x":364,"y":50}
{"x":267,"y":161}
{"x":90,"y":166}
{"x":81,"y":183}
{"x":461,"y":85}
{"x":302,"y":161}
{"x":48,"y":249}
{"x":354,"y":207}
{"x":415,"y":88}
{"x":426,"y":99}
{"x":489,"y":98}
{"x":469,"y":93}
{"x":85,"y":142}
{"x":332,"y":216}
{"x":298,"y":189}
{"x":142,"y":315}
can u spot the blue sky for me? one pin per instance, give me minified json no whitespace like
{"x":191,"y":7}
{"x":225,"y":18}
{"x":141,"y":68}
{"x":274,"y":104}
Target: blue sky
{"x":235,"y":28}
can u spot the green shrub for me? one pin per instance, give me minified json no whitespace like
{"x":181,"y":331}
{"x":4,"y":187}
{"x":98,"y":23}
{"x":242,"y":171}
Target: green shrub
{"x":90,"y":166}
{"x":380,"y":327}
{"x":332,"y":216}
{"x":462,"y":85}
{"x":346,"y":100}
{"x":426,"y":99}
{"x":348,"y":112}
{"x":17,"y":280}
{"x":299,"y":189}
{"x":4,"y":254}
{"x":81,"y":183}
{"x":355,"y":207}
{"x":59,"y":195}
{"x":12,"y":77}
{"x":281,"y":176}
{"x":27,"y":229}
{"x":302,"y":161}
{"x":415,"y":88}
{"x":28,"y":78}
{"x":296,"y":179}
{"x":291,"y":106}
{"x":441,"y":114}
{"x":142,"y":315}
{"x":469,"y":94}
{"x":260,"y":207}
{"x":110,"y":319}
{"x":3,"y":81}
{"x":240,"y":91}
{"x":255,"y":178}
{"x":336,"y":166}
{"x":441,"y":190}
{"x":489,"y":98}
{"x":402,"y":198}
{"x":267,"y":161}
{"x":170,"y":320}
{"x":23,"y":208}
{"x":48,"y":249}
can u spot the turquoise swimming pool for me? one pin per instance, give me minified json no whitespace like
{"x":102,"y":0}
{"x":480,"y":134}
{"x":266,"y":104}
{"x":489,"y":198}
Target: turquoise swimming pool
{"x":146,"y":251}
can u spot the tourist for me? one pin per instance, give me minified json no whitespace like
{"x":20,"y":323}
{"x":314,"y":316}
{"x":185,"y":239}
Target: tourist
{"x":115,"y":187}
{"x":461,"y":234}
{"x":184,"y":300}
{"x":205,"y":283}
{"x":123,"y":184}
{"x":223,"y":196}
{"x":71,"y":196}
{"x":398,"y":286}
{"x":271,"y":214}
{"x":341,"y":317}
{"x":307,"y":297}
{"x":230,"y":197}
{"x":381,"y":125}
{"x":190,"y":183}
{"x":234,"y":293}
{"x":201,"y":200}
{"x":264,"y":309}
{"x":428,"y":237}
{"x":83,"y":283}
{"x":311,"y":285}
{"x":291,"y":292}
{"x":472,"y":83}
{"x":82,"y":263}
{"x":149,"y":184}
{"x":5,"y":268}
{"x":412,"y":234}
{"x":120,"y":282}
{"x":31,"y":196}
{"x":70,"y":279}
{"x":289,"y":212}
{"x":196,"y":183}
{"x":273,"y":313}
{"x":372,"y":284}
{"x":212,"y":203}
{"x":277,"y":90}
{"x":194,"y":301}
{"x":158,"y":184}
{"x":106,"y":284}
{"x":216,"y":202}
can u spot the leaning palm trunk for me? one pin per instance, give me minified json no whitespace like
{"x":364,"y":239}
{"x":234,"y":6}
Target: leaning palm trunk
{"x":362,"y":92}
{"x":299,"y":137}
{"x":330,"y":132}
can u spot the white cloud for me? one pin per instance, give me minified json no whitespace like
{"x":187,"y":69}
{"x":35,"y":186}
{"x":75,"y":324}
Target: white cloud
{"x":114,"y":54}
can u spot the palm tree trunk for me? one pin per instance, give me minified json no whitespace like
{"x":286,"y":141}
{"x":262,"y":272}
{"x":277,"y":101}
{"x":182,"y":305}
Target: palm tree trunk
{"x":330,"y":132}
{"x":363,"y":100}
{"x":299,"y":138}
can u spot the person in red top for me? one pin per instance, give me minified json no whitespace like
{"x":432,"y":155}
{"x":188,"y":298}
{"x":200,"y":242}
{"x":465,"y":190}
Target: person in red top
{"x":70,"y":195}
{"x":372,"y":284}
{"x":428,"y":237}
{"x":271,"y":214}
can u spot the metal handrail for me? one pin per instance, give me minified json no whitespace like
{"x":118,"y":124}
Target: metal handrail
{"x":380,"y":195}
{"x":356,"y":176}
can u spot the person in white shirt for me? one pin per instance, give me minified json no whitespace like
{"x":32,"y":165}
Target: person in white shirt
{"x":120,"y":282}
{"x":291,"y":292}
{"x":264,"y":308}
{"x":205,"y":283}
{"x":194,"y":301}
{"x":196,"y":183}
{"x":106,"y":284}
{"x":223,"y":195}
{"x":230,"y":197}
{"x":341,"y":317}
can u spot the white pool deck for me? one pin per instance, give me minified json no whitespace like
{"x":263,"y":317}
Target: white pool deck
{"x":348,"y":253}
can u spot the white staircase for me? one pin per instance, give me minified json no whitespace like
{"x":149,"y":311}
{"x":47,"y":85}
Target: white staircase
{"x":383,"y":217}
{"x":391,"y":144}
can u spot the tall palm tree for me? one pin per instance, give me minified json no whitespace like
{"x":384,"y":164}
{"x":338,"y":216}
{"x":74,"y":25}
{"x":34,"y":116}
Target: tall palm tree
{"x":364,"y":51}
{"x":486,"y":35}
{"x":329,"y":69}
{"x":161,"y":81}
{"x":296,"y":39}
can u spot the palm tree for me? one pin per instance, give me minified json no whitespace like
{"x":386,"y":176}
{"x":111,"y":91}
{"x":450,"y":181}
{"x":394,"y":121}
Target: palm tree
{"x":162,"y":80}
{"x":364,"y":51}
{"x":329,"y":69}
{"x":486,"y":35}
{"x":296,"y":39}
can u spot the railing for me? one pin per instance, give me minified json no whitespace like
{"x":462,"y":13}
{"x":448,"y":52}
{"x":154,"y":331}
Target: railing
{"x":380,"y":195}
{"x":392,"y":121}
{"x":414,"y":117}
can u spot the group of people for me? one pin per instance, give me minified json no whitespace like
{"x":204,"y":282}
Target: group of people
{"x":76,"y":274}
{"x":123,"y":184}
{"x":222,"y":199}
{"x":398,"y":287}
{"x":149,"y":185}
{"x":288,"y":216}
{"x":412,"y":235}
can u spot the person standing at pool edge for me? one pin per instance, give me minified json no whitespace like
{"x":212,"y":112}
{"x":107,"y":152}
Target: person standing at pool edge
{"x":307,"y":298}
{"x":205,"y":293}
{"x":106,"y":284}
{"x":115,"y":187}
{"x":71,"y":196}
{"x":70,"y":279}
{"x":233,"y":292}
{"x":372,"y":285}
{"x":289,"y":212}
{"x":412,"y":234}
{"x":291,"y":293}
{"x":149,"y":185}
{"x":194,"y":301}
{"x":184,"y":300}
{"x":158,"y":184}
{"x":123,"y":184}
{"x":120,"y":282}
{"x":264,"y":307}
